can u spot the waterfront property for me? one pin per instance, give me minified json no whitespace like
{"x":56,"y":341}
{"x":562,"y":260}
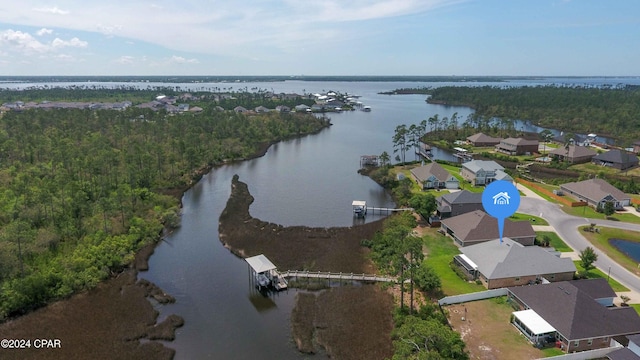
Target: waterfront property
{"x":508,"y":263}
{"x":578,"y":314}
{"x":481,"y":139}
{"x":517,"y":146}
{"x":434,"y":176}
{"x":483,"y":172}
{"x":573,"y":154}
{"x":617,"y":159}
{"x":458,"y":203}
{"x":597,"y":192}
{"x":477,"y":226}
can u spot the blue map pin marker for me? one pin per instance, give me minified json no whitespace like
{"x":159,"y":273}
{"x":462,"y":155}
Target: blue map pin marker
{"x":500,"y":199}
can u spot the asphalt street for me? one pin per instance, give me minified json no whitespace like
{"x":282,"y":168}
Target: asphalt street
{"x":567,"y":226}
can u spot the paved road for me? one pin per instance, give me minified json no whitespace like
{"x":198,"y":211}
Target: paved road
{"x":567,"y":227}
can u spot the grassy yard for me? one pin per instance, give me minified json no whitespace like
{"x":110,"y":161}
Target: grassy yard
{"x":555,"y":241}
{"x":601,"y":241}
{"x":597,"y":274}
{"x":596,"y":169}
{"x":440,"y":252}
{"x":534,"y":220}
{"x":488,"y":333}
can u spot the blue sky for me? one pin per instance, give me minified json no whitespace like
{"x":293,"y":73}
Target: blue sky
{"x":320,"y":37}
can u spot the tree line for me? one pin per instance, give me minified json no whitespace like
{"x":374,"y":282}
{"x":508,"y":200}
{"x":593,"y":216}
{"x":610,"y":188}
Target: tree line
{"x":82,"y":190}
{"x":422,"y":333}
{"x":603,"y":110}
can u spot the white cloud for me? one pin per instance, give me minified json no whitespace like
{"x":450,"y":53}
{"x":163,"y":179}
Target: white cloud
{"x":21,"y":41}
{"x":44,"y":31}
{"x":125,"y":60}
{"x":181,"y":60}
{"x":223,"y":27}
{"x":53,"y":10}
{"x":24,"y":44}
{"x":74,"y":42}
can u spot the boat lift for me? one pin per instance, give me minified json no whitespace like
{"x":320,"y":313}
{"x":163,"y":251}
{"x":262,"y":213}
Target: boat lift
{"x":265,"y":273}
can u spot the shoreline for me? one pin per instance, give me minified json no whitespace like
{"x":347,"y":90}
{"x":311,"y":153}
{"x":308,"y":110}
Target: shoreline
{"x":352,"y":321}
{"x":110,"y":320}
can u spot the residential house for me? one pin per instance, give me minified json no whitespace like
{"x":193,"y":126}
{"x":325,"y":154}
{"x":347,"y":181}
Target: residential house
{"x":240,"y":109}
{"x":517,"y":146}
{"x":631,"y":352}
{"x":483,"y":172}
{"x":458,"y":203}
{"x":617,"y":159}
{"x":283,"y":109}
{"x":573,"y":154}
{"x":499,"y":264}
{"x":302,"y":108}
{"x":261,"y":109}
{"x":434,"y":176}
{"x":481,"y":139}
{"x":568,"y":312}
{"x":636,"y":147}
{"x":597,"y":192}
{"x":477,"y":226}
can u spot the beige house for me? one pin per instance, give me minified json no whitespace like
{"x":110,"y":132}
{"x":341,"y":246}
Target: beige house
{"x":573,"y":154}
{"x":517,"y":146}
{"x":508,"y":263}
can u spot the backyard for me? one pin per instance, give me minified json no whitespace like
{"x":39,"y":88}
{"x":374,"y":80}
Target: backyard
{"x":488,"y":333}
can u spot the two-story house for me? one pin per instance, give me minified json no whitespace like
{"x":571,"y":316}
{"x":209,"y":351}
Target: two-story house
{"x":517,"y":146}
{"x":458,"y":203}
{"x":483,"y":172}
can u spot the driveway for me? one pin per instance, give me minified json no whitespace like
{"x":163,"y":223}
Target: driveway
{"x":567,"y":227}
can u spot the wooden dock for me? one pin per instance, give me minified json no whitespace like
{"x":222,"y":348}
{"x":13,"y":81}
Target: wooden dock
{"x":381,"y":210}
{"x":336,"y":276}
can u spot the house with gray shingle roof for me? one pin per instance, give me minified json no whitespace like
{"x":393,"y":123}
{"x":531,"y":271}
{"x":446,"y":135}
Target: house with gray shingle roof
{"x":631,"y":352}
{"x":573,"y":154}
{"x":617,"y":159}
{"x":483,"y":172}
{"x":477,"y":227}
{"x":517,"y":146}
{"x":597,"y":192}
{"x":481,"y":139}
{"x":458,"y":203}
{"x":509,"y":263}
{"x":434,"y":176}
{"x":572,"y":315}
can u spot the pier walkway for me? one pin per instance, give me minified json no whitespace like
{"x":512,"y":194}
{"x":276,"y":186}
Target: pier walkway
{"x":336,"y":276}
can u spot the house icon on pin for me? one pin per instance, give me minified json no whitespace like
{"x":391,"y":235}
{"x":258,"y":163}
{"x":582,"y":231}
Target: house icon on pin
{"x":501,"y":198}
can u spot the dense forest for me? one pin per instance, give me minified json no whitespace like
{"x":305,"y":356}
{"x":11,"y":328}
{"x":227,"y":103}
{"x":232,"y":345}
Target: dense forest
{"x":605,"y":111}
{"x":81,"y":191}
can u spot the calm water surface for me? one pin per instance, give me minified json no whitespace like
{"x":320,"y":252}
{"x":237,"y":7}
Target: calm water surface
{"x":309,"y":181}
{"x":630,"y":248}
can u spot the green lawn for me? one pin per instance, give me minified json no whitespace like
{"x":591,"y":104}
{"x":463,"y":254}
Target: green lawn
{"x":597,"y":274}
{"x":534,"y":220}
{"x":555,"y":241}
{"x":440,"y":252}
{"x":549,"y":352}
{"x":591,"y":213}
{"x":601,"y":241}
{"x":596,"y":169}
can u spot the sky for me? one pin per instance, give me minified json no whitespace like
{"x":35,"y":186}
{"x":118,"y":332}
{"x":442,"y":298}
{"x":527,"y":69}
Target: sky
{"x":321,"y":37}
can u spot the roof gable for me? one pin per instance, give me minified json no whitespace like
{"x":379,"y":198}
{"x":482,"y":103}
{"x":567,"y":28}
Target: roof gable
{"x":574,"y":313}
{"x":478,"y":225}
{"x":499,"y":260}
{"x":617,"y":156}
{"x":424,"y":172}
{"x":595,"y":190}
{"x":573,"y":151}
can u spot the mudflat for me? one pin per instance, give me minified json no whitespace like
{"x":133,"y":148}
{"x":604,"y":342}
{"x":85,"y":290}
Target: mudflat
{"x":346,"y":322}
{"x":106,"y":322}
